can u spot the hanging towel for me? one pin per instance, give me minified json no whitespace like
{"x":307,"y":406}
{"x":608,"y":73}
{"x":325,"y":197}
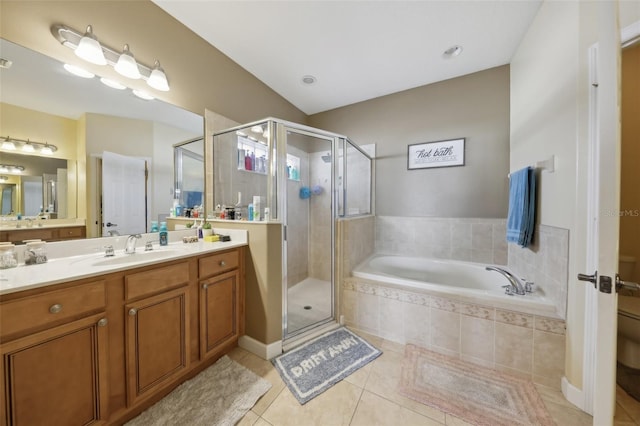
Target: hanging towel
{"x":522,"y":204}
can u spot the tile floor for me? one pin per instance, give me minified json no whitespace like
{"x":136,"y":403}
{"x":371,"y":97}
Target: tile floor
{"x":369,"y":397}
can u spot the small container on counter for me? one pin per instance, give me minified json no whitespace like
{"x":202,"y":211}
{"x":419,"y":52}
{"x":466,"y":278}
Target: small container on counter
{"x":8,"y":256}
{"x":35,"y":253}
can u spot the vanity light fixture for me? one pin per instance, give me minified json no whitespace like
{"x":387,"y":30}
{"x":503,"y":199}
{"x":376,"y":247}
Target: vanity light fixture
{"x":127,"y":65}
{"x":123,"y":62}
{"x":10,"y":144}
{"x":89,"y":48}
{"x":11,"y":168}
{"x":28,"y":147}
{"x":46,"y":149}
{"x":157,"y":78}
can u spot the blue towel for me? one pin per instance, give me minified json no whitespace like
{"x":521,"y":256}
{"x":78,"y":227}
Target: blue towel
{"x":522,"y":205}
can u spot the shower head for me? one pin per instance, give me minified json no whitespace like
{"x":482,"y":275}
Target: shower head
{"x":327,"y":158}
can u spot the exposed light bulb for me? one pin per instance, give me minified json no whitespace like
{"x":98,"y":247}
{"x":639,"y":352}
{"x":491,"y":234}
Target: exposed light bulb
{"x":27,"y":147}
{"x":8,"y":145}
{"x":46,"y":150}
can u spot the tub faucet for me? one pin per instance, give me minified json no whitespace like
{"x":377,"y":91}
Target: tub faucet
{"x":130,"y":248}
{"x":516,"y":285}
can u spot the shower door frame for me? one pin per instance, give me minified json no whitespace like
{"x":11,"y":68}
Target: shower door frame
{"x":281,"y":129}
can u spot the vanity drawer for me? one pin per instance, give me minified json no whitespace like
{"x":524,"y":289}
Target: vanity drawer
{"x":71,"y":232}
{"x":156,"y":280}
{"x":217,"y":263}
{"x":38,"y":310}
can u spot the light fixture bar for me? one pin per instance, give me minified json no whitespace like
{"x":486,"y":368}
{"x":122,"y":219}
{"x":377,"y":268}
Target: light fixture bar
{"x":32,"y":146}
{"x":69,"y":37}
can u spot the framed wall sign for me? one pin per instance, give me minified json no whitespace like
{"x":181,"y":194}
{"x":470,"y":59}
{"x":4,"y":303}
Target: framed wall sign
{"x":436,"y":154}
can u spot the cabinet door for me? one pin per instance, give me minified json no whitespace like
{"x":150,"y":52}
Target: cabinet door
{"x":218,"y":312}
{"x":58,"y":376}
{"x":157,"y":337}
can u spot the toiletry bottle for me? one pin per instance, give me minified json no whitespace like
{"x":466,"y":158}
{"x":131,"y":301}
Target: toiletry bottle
{"x":154,"y":226}
{"x":250,"y":212}
{"x":266,"y":214}
{"x":200,"y":230}
{"x":164,"y":235}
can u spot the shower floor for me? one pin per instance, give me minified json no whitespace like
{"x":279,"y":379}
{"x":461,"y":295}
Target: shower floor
{"x":310,"y":292}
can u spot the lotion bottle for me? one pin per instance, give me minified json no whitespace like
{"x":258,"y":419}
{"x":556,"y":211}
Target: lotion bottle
{"x":164,"y":235}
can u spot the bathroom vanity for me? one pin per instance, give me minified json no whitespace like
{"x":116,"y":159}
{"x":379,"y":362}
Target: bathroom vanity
{"x":102,"y":346}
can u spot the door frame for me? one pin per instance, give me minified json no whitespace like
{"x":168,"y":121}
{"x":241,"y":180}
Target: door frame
{"x":592,"y":402}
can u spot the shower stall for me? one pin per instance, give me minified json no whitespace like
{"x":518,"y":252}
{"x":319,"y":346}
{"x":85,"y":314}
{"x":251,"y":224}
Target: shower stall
{"x":303,"y":179}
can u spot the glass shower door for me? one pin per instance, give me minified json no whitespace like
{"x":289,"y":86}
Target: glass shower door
{"x":308,"y":231}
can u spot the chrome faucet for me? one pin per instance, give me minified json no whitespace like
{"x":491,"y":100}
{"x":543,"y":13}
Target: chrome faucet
{"x":516,"y":286}
{"x":130,"y":248}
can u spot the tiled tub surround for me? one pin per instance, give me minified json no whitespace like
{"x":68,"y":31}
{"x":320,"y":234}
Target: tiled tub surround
{"x":469,"y":239}
{"x":524,"y":344}
{"x":546,"y":263}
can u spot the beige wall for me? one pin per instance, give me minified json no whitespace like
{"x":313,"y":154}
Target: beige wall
{"x":630,"y":177}
{"x":475,"y":107}
{"x":549,"y":116}
{"x":200,"y":75}
{"x":22,"y":123}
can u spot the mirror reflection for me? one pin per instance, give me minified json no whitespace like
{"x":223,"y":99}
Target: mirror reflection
{"x":84,"y":118}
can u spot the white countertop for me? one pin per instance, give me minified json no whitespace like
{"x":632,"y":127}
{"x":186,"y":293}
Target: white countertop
{"x":66,"y":264}
{"x":12,"y":225}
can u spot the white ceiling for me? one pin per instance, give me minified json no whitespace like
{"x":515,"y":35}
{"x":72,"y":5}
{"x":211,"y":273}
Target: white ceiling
{"x":357,"y":50}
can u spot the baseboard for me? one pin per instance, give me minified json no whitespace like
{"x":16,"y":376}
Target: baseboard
{"x":573,"y":394}
{"x":263,"y":350}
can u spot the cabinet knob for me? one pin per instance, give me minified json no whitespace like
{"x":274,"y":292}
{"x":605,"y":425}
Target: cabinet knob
{"x":205,"y":286}
{"x":223,"y":263}
{"x":133,"y":311}
{"x":54,"y":309}
{"x":103,"y":322}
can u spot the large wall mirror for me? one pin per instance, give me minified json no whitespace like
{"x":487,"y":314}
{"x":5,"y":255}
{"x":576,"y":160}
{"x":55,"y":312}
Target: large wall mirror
{"x":43,"y":102}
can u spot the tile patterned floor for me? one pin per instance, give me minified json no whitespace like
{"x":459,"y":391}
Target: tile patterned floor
{"x":369,"y":397}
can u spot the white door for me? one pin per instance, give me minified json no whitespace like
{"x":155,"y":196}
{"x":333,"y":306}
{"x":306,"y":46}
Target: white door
{"x":124,"y":195}
{"x":604,"y":202}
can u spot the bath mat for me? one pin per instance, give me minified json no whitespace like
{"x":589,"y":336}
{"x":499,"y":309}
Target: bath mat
{"x":220,"y":395}
{"x":629,"y":380}
{"x":315,"y":366}
{"x":477,"y":395}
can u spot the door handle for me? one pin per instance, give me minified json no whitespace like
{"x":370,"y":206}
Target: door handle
{"x":593,"y":279}
{"x":626,"y":284}
{"x":109,"y":224}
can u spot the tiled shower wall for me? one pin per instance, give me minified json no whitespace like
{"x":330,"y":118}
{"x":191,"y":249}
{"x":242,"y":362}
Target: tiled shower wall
{"x":469,"y":239}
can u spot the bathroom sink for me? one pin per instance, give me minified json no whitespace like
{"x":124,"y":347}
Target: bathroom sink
{"x":139,"y":256}
{"x":121,"y":258}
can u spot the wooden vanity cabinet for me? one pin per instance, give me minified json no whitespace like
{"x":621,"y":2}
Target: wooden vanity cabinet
{"x":220,"y":302}
{"x":157,"y":331}
{"x":45,"y":234}
{"x":56,"y":374}
{"x":101,"y":350}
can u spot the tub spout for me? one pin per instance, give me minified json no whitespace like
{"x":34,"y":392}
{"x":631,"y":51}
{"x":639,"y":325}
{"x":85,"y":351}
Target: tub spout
{"x":516,"y":285}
